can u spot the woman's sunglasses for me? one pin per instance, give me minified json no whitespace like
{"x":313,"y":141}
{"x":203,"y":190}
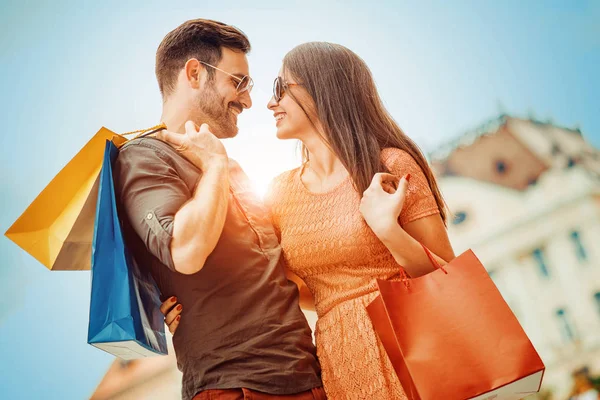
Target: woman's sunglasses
{"x":280,"y":86}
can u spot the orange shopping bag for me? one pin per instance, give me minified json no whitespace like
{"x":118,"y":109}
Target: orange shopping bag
{"x":58,"y":226}
{"x":450,"y":335}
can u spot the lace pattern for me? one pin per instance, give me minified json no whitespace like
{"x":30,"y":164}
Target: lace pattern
{"x":327,"y":243}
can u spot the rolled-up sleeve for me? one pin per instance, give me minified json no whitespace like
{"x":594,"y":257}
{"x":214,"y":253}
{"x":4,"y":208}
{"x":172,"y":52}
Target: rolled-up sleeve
{"x":151,"y":192}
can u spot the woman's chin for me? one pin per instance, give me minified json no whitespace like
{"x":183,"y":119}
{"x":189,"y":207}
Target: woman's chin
{"x":283,"y":135}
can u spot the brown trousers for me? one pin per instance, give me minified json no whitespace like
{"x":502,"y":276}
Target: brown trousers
{"x":247,"y":394}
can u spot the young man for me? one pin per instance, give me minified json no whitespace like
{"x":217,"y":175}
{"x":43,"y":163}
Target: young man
{"x":192,"y":219}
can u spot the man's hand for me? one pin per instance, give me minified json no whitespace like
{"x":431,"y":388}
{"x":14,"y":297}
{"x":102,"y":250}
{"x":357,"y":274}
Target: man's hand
{"x":198,"y":224}
{"x":199,"y":146}
{"x":172,"y":312}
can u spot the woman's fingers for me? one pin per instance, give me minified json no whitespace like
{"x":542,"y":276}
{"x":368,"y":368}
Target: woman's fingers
{"x":173,"y":314}
{"x":173,"y":325}
{"x":167,"y":305}
{"x":403,"y":186}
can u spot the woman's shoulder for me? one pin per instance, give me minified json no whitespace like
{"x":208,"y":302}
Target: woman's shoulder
{"x":397,"y":159}
{"x":281,"y":185}
{"x":285,"y":178}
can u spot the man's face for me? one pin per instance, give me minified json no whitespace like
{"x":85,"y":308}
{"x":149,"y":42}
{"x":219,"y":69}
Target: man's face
{"x":217,"y":101}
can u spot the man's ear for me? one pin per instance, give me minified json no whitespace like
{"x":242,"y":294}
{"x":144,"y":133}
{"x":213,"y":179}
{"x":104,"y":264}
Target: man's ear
{"x":194,"y":72}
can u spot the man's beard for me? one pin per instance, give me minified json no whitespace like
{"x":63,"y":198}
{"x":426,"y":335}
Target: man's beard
{"x":218,"y":115}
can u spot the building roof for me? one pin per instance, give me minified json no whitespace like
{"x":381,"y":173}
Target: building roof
{"x":491,"y":126}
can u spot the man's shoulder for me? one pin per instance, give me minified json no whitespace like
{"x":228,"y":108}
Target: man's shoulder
{"x":234,"y":164}
{"x":150,"y":150}
{"x":147,"y":145}
{"x":144,"y":157}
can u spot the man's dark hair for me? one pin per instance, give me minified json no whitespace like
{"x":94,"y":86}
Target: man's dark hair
{"x":198,"y":38}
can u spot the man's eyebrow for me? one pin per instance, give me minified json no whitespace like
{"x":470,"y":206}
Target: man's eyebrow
{"x":238,"y":75}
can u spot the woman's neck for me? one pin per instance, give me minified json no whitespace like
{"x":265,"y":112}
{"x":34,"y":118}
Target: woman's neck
{"x":323,"y":162}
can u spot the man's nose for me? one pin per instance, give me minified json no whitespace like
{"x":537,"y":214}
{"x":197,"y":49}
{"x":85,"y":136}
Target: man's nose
{"x":245,"y":99}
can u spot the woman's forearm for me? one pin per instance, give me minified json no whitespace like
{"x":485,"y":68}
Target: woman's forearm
{"x":408,"y":252}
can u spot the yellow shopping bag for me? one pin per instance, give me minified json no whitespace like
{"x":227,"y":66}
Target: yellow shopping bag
{"x":57,"y":228}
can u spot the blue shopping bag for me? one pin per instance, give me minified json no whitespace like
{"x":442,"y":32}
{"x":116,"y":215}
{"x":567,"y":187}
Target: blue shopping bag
{"x":125,"y":319}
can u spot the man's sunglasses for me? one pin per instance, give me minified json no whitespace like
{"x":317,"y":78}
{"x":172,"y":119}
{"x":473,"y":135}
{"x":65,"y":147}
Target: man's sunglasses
{"x":244,"y":84}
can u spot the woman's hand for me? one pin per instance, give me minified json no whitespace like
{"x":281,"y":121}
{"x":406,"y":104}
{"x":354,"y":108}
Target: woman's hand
{"x":172,"y":312}
{"x":382,"y":202}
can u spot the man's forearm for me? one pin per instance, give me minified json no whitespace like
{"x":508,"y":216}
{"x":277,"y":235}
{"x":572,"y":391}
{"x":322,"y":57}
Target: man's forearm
{"x":199,"y":223}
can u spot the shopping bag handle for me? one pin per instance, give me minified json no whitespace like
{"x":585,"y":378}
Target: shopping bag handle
{"x":435,"y":262}
{"x":406,"y":280}
{"x":146,"y":132}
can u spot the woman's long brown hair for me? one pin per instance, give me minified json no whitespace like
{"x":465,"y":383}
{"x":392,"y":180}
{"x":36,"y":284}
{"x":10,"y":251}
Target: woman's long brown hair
{"x":355,"y":123}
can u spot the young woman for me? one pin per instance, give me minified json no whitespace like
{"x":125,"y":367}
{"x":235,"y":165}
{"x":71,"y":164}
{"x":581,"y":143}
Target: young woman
{"x":341,"y":223}
{"x":359,"y":208}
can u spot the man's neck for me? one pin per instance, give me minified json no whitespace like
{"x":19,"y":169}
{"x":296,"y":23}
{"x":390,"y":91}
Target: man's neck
{"x":175,"y":115}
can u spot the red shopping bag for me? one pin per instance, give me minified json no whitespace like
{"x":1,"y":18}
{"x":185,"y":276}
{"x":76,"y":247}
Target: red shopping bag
{"x":450,"y":335}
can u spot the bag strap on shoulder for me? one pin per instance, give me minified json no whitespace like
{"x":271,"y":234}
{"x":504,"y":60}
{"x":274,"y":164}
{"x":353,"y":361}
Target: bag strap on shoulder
{"x":146,"y":132}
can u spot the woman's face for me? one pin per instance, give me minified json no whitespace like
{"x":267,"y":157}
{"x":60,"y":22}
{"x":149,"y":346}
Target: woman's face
{"x":290,"y":119}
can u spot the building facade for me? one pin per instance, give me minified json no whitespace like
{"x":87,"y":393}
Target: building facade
{"x":525,"y":196}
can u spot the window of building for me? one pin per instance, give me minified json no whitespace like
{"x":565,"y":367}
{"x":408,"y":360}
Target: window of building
{"x":578,"y":245}
{"x":597,"y":299}
{"x":565,"y":326}
{"x":459,"y":218}
{"x":540,"y":259}
{"x":571,"y":162}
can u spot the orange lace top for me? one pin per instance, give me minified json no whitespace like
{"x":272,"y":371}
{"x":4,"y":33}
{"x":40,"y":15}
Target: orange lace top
{"x":325,"y":239}
{"x":328,"y":244}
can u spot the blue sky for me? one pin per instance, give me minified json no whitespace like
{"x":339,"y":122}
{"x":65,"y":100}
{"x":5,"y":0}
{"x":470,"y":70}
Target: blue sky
{"x":67,"y":68}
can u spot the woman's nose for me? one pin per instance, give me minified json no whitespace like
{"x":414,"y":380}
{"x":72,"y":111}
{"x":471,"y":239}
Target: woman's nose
{"x":272,"y":103}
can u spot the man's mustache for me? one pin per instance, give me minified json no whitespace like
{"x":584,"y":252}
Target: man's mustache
{"x":237,"y":106}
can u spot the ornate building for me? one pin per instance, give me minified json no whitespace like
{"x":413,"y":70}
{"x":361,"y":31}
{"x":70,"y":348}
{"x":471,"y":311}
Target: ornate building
{"x":525,"y":196}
